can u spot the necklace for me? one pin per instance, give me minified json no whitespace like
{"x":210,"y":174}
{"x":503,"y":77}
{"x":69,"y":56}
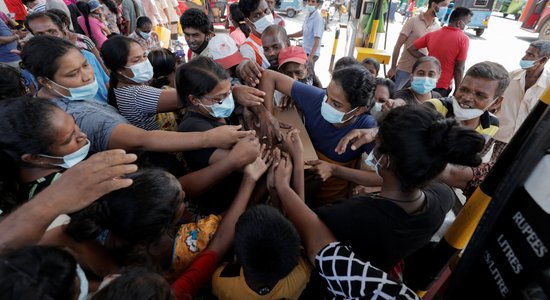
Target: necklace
{"x":402,"y":201}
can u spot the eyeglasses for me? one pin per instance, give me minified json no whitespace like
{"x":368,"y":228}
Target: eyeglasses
{"x":218,"y":99}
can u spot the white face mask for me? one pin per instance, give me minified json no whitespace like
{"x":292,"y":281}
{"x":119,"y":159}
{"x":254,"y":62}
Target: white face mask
{"x":332,"y":115}
{"x":263,"y":23}
{"x":83,"y":283}
{"x":372,"y":162}
{"x":376,"y":110}
{"x":72,"y":159}
{"x":463,"y":114}
{"x":143,"y":71}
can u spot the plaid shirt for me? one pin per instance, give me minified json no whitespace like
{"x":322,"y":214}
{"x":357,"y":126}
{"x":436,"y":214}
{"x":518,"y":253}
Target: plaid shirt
{"x":349,"y":277}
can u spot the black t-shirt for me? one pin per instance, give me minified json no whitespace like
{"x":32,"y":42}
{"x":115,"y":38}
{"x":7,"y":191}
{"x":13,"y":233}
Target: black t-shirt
{"x":380,"y":231}
{"x":408,"y":95}
{"x":218,"y":198}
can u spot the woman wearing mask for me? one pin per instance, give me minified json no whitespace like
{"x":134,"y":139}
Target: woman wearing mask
{"x":68,"y":81}
{"x":131,"y":71}
{"x":91,"y":22}
{"x":382,"y":93}
{"x":204,"y":88}
{"x":57,"y":143}
{"x":410,"y":207}
{"x":425,"y":73}
{"x":329,"y":115}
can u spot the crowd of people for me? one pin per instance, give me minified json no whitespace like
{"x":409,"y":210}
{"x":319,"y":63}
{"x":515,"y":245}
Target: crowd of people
{"x":133,"y":170}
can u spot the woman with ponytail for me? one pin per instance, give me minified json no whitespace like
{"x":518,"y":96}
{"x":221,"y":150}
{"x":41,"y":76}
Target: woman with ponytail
{"x":242,"y":31}
{"x":413,"y":146}
{"x":91,"y":22}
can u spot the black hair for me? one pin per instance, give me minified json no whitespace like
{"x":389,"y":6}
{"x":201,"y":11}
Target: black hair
{"x":358,"y":85}
{"x":26,"y":2}
{"x":345,"y":61}
{"x":115,"y":51}
{"x":111,"y":5}
{"x":459,"y":14}
{"x":164,"y":64}
{"x":48,"y":14}
{"x":138,"y":215}
{"x":26,"y":125}
{"x":196,"y":18}
{"x":136,"y":284}
{"x":491,"y":71}
{"x":266,"y":244}
{"x":142,"y":21}
{"x":372,"y":61}
{"x":238,"y":17}
{"x":198,"y":77}
{"x":37,"y":272}
{"x":248,"y":6}
{"x":425,"y":59}
{"x":420,"y":142}
{"x":84,"y":9}
{"x":63,"y":17}
{"x":34,"y":57}
{"x":10,"y":82}
{"x":387,"y":83}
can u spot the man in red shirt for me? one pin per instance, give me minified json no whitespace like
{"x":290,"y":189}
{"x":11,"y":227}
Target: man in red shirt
{"x":450,"y":46}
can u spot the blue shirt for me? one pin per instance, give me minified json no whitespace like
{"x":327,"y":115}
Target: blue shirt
{"x":100,"y":76}
{"x":314,"y":26}
{"x":325,"y":136}
{"x":5,"y":54}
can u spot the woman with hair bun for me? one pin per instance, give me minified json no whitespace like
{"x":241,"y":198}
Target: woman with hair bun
{"x":413,"y":146}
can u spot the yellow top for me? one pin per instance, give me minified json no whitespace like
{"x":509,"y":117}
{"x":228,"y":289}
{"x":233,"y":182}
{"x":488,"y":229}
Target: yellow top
{"x":290,"y":287}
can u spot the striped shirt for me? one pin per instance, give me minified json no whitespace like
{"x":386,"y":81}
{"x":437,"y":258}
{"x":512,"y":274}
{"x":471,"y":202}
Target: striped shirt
{"x":138,"y":104}
{"x":40,"y":7}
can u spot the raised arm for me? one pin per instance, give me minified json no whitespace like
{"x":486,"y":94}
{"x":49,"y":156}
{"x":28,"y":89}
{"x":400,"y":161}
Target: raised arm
{"x":223,"y":163}
{"x":168,"y":101}
{"x":128,"y":137}
{"x":314,"y":233}
{"x":326,"y":170}
{"x":77,"y":188}
{"x":200,"y":271}
{"x":272,"y":81}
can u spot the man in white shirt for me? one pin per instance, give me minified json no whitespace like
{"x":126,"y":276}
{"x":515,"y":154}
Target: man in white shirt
{"x":526,"y":86}
{"x":312,"y":31}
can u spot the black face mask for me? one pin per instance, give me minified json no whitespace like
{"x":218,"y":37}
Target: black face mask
{"x":202,"y":46}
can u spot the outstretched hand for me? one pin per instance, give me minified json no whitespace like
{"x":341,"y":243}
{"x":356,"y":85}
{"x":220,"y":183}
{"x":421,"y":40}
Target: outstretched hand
{"x":257,"y":168}
{"x":226,"y":136}
{"x":248,"y":96}
{"x":88,"y":180}
{"x":357,"y":138}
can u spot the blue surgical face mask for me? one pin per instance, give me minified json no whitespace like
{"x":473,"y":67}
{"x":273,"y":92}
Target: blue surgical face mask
{"x":144,"y":35}
{"x":263,"y":23}
{"x":310,"y":8}
{"x":372,"y":162}
{"x":423,"y":85}
{"x":222,"y":110}
{"x":440,"y":14}
{"x":526,"y":64}
{"x":332,"y":115}
{"x":72,"y":159}
{"x":143,"y":71}
{"x":85,"y":92}
{"x":83,"y":283}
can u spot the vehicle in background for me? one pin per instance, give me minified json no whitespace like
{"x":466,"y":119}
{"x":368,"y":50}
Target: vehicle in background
{"x":289,"y":7}
{"x":510,"y":7}
{"x":481,"y":9}
{"x":535,"y":17}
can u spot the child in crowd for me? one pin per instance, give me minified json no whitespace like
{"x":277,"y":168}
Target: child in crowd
{"x":144,"y":34}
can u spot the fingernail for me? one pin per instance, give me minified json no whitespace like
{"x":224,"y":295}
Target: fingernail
{"x":353,"y":148}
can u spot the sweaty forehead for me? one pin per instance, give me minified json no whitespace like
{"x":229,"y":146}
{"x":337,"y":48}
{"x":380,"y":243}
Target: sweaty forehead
{"x":261,"y":7}
{"x":481,"y":85}
{"x":271,"y":38}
